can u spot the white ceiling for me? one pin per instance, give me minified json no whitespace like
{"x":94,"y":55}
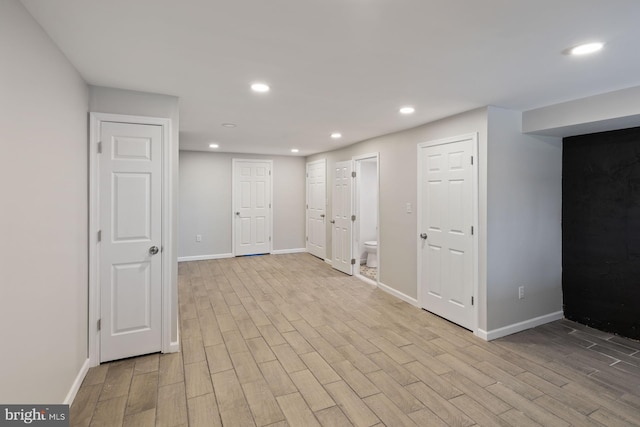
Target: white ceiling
{"x":341,"y":65}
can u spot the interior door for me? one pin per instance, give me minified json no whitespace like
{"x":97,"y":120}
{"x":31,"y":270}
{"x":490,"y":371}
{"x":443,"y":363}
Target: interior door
{"x":252,"y":206}
{"x":130,"y":267}
{"x":446,"y":249}
{"x":342,"y":220}
{"x":316,"y":206}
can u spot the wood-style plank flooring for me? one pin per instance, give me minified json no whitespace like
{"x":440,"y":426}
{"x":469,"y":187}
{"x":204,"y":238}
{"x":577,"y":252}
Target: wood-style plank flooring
{"x":283,"y":340}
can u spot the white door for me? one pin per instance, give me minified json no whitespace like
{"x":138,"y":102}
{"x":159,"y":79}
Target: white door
{"x":316,"y":204}
{"x":342,"y":221}
{"x":130,"y":266}
{"x":445,"y":225}
{"x":252,"y":206}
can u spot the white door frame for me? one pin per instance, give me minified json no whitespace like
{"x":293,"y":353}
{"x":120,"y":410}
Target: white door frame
{"x":474,"y":190}
{"x":317,"y":162}
{"x":95,"y":121}
{"x":234,"y":163}
{"x":356,"y":206}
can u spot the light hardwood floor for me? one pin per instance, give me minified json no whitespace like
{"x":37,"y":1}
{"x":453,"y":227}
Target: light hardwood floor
{"x":285,"y":340}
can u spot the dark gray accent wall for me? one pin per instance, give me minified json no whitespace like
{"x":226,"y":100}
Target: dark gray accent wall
{"x":601,"y":230}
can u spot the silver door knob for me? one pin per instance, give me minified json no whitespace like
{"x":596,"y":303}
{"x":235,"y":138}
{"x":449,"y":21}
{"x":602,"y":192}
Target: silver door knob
{"x":423,"y":236}
{"x":333,"y":221}
{"x":153,"y":250}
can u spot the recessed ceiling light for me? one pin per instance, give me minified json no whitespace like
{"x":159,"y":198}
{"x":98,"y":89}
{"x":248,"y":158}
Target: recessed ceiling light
{"x":585,"y":49}
{"x":294,"y":150}
{"x":229,"y":125}
{"x":407,"y":110}
{"x":214,"y":146}
{"x":336,"y":135}
{"x":260,"y":87}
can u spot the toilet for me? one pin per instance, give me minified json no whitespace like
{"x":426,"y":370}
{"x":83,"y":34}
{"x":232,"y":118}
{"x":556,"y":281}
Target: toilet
{"x":372,"y":253}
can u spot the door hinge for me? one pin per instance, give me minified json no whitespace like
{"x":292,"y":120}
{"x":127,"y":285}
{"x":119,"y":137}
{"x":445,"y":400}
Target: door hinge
{"x":307,"y":238}
{"x":472,"y":160}
{"x":353,"y":217}
{"x":100,"y":147}
{"x":269,"y":205}
{"x":353,"y":261}
{"x":269,"y":173}
{"x":307,"y":206}
{"x":353,"y":174}
{"x":471,"y":300}
{"x":99,"y":235}
{"x":307,"y":175}
{"x":269,"y":238}
{"x":472,"y":230}
{"x":99,"y":324}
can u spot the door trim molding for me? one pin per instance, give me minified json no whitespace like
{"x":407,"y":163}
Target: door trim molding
{"x":355,"y":204}
{"x":95,"y":121}
{"x":234,"y":163}
{"x":475,"y":242}
{"x":306,"y":216}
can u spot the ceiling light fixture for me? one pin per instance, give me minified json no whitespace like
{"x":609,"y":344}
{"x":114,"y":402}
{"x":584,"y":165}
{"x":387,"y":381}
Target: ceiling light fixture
{"x":585,"y":49}
{"x":407,"y":110}
{"x":336,"y":135}
{"x":294,"y":150}
{"x":214,"y":146}
{"x":228,"y":125}
{"x":260,"y":87}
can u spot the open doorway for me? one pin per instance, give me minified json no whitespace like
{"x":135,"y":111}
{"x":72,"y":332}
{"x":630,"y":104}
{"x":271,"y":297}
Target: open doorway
{"x":366,"y":247}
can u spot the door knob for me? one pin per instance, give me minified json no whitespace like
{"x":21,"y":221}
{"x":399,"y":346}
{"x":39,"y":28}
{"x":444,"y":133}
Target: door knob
{"x":153,"y":250}
{"x":321,"y":215}
{"x":238,"y":213}
{"x":333,"y":221}
{"x":423,"y":236}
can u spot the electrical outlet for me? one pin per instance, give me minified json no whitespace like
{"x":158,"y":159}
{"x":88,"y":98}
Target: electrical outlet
{"x":198,"y":237}
{"x":521,"y":292}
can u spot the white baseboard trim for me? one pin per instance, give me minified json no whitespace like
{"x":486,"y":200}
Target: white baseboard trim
{"x":398,"y":294}
{"x":77,"y":383}
{"x":204,"y":257}
{"x":288,"y":251}
{"x":328,"y":261}
{"x":520,"y":326}
{"x":366,"y":280}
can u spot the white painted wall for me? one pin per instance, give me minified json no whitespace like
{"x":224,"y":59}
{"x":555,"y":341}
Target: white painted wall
{"x":609,"y":111}
{"x":524,"y":210}
{"x":367,"y":213}
{"x":44,"y":215}
{"x":205,"y":203}
{"x":119,"y":101}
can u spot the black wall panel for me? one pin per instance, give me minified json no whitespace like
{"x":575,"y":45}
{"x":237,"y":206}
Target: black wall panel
{"x":601,"y":230}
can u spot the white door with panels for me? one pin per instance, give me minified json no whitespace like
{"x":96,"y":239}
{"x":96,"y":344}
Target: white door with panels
{"x":342,"y":220}
{"x":130,"y":239}
{"x":252,"y":206}
{"x":445,"y":225}
{"x":316,"y":208}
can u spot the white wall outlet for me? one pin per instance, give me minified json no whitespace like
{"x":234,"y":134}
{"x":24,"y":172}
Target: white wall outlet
{"x":521,"y":292}
{"x":408,"y":207}
{"x":198,"y":237}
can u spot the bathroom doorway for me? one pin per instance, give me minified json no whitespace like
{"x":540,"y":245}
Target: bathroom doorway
{"x":366,"y":246}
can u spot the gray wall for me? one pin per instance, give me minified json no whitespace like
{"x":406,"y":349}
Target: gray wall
{"x":398,"y":186}
{"x":44,"y":218}
{"x":119,"y":101}
{"x":524,"y":243}
{"x":205,"y":202}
